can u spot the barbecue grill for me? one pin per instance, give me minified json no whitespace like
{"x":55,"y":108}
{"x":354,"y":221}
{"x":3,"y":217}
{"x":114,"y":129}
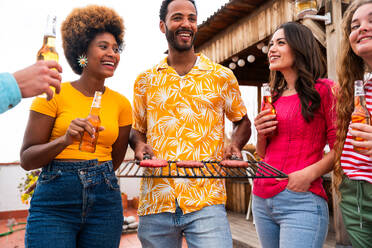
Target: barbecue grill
{"x":211,"y":169}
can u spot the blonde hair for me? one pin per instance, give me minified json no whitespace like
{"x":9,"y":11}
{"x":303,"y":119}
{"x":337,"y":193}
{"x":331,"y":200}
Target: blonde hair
{"x":350,"y":67}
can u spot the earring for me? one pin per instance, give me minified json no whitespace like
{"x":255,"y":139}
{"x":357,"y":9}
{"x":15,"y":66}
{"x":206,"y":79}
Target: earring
{"x":83,"y":61}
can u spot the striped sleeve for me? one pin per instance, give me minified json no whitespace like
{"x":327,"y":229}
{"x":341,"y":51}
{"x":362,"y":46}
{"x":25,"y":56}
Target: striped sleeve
{"x":355,"y":165}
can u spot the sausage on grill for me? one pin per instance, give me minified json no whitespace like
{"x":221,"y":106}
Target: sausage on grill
{"x":234,"y":163}
{"x":153,"y":163}
{"x":189,"y":164}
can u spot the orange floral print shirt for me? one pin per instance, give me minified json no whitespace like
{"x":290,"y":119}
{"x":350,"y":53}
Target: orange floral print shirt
{"x":183,"y":118}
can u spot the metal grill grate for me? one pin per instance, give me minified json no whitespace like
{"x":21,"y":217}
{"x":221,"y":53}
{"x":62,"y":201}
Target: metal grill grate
{"x":211,"y":169}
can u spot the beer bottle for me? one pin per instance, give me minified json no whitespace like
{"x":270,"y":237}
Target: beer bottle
{"x":267,"y":103}
{"x":360,"y":113}
{"x":88,"y":143}
{"x":48,"y":50}
{"x":305,"y":7}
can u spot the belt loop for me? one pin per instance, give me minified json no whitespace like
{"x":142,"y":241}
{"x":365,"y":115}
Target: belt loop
{"x":47,"y":167}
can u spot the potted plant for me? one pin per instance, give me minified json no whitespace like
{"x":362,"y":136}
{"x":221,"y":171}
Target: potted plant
{"x":26,"y":187}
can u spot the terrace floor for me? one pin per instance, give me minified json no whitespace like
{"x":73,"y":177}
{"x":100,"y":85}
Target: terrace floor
{"x":243,"y":232}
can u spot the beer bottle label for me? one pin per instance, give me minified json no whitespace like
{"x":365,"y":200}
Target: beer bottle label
{"x":359,"y":91}
{"x":50,"y":56}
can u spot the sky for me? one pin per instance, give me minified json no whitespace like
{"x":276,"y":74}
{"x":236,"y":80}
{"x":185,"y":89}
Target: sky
{"x":22,"y":23}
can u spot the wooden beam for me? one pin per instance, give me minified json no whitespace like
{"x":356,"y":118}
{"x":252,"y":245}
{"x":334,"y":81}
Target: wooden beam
{"x":255,"y":27}
{"x":333,"y":36}
{"x":317,"y":31}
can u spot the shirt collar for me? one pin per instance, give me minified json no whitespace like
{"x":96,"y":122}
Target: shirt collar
{"x":203,"y":64}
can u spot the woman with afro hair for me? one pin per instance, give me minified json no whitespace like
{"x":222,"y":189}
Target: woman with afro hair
{"x":77,"y":200}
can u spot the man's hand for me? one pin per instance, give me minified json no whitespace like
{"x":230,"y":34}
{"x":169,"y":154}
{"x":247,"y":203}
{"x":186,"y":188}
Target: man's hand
{"x":138,"y":142}
{"x":37,"y":79}
{"x":142,"y":149}
{"x":231,"y":150}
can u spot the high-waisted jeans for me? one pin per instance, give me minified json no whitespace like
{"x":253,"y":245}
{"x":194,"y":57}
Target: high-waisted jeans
{"x":75,"y":204}
{"x":291,"y":220}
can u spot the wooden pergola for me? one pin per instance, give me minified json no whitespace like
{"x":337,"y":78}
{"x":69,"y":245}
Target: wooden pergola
{"x":238,"y":26}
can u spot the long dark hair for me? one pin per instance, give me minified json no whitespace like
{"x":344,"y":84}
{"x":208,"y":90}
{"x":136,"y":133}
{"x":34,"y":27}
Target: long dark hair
{"x":309,"y":63}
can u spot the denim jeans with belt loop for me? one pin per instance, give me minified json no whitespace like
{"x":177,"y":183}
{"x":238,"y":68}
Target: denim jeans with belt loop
{"x":291,"y":220}
{"x":75,"y":204}
{"x":208,"y":227}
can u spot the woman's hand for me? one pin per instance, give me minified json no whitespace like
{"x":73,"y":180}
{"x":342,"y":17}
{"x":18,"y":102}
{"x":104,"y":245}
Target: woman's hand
{"x":363,"y":131}
{"x":76,"y":130}
{"x":265,"y":123}
{"x":299,"y":181}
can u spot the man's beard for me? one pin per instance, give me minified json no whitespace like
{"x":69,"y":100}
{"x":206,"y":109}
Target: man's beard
{"x":171,"y":38}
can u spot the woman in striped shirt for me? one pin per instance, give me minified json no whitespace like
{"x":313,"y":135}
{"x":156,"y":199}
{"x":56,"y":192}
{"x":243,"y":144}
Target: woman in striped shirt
{"x":353,"y":171}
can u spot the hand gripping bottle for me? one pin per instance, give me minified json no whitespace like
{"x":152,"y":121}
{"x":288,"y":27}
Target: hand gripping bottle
{"x":88,"y":143}
{"x":360,"y":113}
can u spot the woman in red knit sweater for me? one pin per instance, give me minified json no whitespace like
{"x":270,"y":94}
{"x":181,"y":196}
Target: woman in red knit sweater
{"x":294,"y":212}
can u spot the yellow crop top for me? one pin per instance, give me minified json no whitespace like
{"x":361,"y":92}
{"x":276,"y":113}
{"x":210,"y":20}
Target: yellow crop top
{"x":70,"y":104}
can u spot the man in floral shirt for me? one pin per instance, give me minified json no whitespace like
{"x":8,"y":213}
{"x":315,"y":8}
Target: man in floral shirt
{"x":179,"y":114}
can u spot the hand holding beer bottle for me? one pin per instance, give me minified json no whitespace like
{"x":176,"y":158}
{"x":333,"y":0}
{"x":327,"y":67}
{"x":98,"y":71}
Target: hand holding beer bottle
{"x":265,"y":122}
{"x":88,"y":143}
{"x":48,"y":50}
{"x":360,"y":115}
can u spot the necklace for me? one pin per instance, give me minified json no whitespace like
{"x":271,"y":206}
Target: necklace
{"x":286,"y":88}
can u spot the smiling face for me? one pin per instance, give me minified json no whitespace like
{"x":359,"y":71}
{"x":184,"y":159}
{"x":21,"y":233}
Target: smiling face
{"x":180,"y":25}
{"x":360,"y":37}
{"x":103,"y":55}
{"x":280,"y":54}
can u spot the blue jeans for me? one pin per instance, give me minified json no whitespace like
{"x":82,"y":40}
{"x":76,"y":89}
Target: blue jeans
{"x":75,"y":204}
{"x":207,"y":227}
{"x":291,"y":220}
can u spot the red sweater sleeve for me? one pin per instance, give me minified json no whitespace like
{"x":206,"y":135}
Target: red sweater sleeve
{"x":326,"y":89}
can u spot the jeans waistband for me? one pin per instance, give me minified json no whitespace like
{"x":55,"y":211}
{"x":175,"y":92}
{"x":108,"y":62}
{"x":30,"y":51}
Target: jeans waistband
{"x":56,"y":165}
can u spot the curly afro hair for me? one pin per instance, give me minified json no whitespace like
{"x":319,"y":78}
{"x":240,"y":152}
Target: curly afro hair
{"x":82,"y":25}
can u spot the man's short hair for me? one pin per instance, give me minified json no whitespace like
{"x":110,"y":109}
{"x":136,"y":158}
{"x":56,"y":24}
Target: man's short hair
{"x":164,"y":8}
